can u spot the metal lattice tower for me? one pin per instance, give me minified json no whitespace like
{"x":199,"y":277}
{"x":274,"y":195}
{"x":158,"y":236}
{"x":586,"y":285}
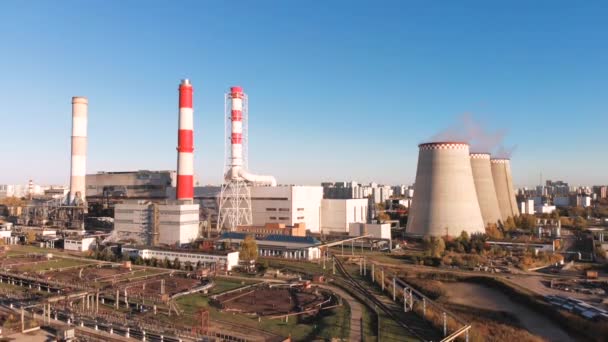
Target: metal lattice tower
{"x":235,"y":195}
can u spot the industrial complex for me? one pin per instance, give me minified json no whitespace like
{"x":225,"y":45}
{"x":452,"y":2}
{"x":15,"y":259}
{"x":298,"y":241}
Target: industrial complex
{"x":152,"y":255}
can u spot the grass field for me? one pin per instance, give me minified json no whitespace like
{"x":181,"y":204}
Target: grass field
{"x":225,"y":284}
{"x":55,"y":263}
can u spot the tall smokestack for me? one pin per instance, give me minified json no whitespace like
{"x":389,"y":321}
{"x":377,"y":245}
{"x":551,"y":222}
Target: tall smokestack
{"x":484,"y":186}
{"x":237,"y":105}
{"x":503,"y":181}
{"x":236,"y":138}
{"x":185,"y":144}
{"x":445,"y":201}
{"x":80,"y":107}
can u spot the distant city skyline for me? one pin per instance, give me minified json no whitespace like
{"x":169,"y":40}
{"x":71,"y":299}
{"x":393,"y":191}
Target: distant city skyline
{"x":340,"y":91}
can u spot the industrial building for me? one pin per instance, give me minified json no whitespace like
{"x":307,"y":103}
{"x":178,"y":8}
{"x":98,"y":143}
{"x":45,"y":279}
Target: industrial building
{"x":503,"y":181}
{"x":376,"y":230}
{"x":172,"y":222}
{"x":338,"y":214}
{"x":79,"y":243}
{"x":527,"y":207}
{"x":445,"y":201}
{"x":282,"y":246}
{"x":299,"y":229}
{"x":224,"y":260}
{"x":289,"y":205}
{"x":148,"y":223}
{"x":353,"y":190}
{"x":484,"y":186}
{"x":142,"y":184}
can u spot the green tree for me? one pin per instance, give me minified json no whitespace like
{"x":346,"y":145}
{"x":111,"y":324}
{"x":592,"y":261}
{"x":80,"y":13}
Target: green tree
{"x":107,"y":254}
{"x":382,"y":217}
{"x":166,"y":263}
{"x":177,"y":264}
{"x":493,"y":232}
{"x":579,"y":222}
{"x":30,"y":236}
{"x":433,"y":246}
{"x":249,"y":249}
{"x":509,"y":224}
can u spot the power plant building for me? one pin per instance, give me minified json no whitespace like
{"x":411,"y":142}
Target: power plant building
{"x":338,"y":214}
{"x":287,"y":204}
{"x":445,"y":200}
{"x":147,"y":223}
{"x":142,"y":184}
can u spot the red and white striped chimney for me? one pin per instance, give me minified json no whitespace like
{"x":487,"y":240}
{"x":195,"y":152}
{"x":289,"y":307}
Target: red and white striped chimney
{"x":185,"y":145}
{"x":236,"y":114}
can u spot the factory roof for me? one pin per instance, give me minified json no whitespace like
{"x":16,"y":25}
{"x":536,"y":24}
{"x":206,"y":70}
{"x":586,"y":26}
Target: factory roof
{"x":178,"y":250}
{"x":274,"y":239}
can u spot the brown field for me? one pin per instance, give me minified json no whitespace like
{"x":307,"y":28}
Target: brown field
{"x":173,"y":285}
{"x":270,"y":301}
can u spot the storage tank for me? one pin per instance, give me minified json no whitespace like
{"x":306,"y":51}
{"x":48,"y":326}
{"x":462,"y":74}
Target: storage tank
{"x":503,"y":182}
{"x":484,"y":186}
{"x":445,"y":201}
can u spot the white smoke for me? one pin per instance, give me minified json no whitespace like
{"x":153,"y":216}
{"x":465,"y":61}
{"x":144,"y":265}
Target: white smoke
{"x":478,"y":136}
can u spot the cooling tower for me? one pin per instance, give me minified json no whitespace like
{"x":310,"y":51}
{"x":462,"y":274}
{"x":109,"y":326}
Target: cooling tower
{"x":445,"y":201}
{"x":503,"y":182}
{"x":484,"y":186}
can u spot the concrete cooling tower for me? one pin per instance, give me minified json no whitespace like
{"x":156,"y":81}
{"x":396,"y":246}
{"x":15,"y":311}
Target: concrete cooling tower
{"x":484,"y":186}
{"x":445,"y":201}
{"x":503,"y":182}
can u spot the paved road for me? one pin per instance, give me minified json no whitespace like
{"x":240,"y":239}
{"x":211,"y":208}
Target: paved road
{"x":355,"y":312}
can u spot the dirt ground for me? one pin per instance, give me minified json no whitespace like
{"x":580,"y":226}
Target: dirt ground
{"x":173,"y":285}
{"x":88,"y":274}
{"x":270,"y":301}
{"x":4,"y":263}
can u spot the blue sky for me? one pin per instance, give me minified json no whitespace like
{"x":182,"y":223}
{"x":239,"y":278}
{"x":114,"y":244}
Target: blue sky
{"x":337,"y":89}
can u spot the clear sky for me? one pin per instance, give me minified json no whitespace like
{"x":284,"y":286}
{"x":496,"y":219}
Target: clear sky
{"x":337,"y":89}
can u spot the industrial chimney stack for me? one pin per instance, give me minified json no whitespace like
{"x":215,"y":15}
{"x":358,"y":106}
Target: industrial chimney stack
{"x":77,"y":194}
{"x":445,"y":201}
{"x":185,"y":144}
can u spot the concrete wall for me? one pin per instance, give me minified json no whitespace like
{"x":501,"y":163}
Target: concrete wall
{"x":287,"y":204}
{"x":445,"y":200}
{"x":337,"y":214}
{"x":133,"y":221}
{"x":484,"y":187}
{"x":80,"y":245}
{"x":142,"y":184}
{"x":178,"y":223}
{"x":503,"y":181}
{"x":376,"y":230}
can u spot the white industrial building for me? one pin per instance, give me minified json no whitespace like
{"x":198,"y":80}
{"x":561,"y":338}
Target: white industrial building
{"x":288,"y":204}
{"x":144,"y":222}
{"x":527,"y":207}
{"x":544,"y":209}
{"x":338,"y":214}
{"x":178,"y":223}
{"x":224,"y":260}
{"x":79,"y":243}
{"x":376,"y":230}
